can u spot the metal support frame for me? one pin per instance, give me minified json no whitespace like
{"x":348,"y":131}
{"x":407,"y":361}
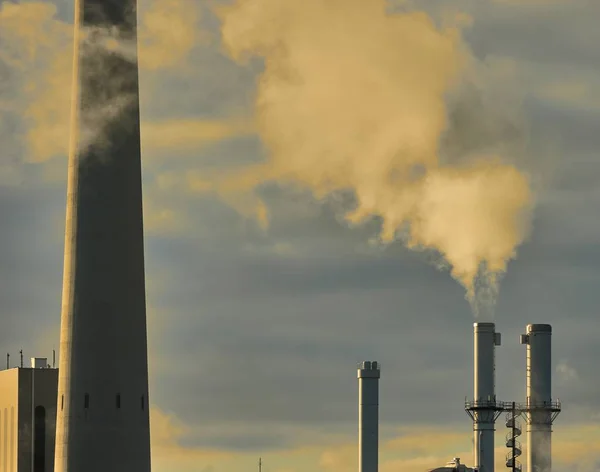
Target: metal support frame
{"x":515,"y":410}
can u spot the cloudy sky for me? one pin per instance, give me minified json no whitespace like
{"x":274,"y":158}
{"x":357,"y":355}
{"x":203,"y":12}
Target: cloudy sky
{"x":328,"y":182}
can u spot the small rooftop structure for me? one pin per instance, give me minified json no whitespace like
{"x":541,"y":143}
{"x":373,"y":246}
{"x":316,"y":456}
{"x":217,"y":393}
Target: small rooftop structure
{"x":39,"y":363}
{"x":453,"y":466}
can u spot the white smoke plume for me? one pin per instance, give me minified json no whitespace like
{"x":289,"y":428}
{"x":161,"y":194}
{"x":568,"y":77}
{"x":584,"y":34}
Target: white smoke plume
{"x":353,"y":97}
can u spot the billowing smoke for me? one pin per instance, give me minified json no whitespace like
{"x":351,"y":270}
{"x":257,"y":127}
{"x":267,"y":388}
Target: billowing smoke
{"x":354,"y":97}
{"x":36,"y":69}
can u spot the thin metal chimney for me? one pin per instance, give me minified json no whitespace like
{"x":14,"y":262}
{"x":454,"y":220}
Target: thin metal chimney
{"x":368,"y":416}
{"x":483,"y":409}
{"x":540,"y":410}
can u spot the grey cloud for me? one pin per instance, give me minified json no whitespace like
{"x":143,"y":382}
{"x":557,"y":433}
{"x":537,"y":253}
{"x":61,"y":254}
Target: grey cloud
{"x":290,"y":331}
{"x":574,"y":129}
{"x":248,"y":437}
{"x":210,"y":84}
{"x":560,"y":33}
{"x":30,"y":268}
{"x":12,"y":149}
{"x":249,"y":338}
{"x":479,"y":125}
{"x":544,"y":32}
{"x":267,"y":339}
{"x":286,"y":330}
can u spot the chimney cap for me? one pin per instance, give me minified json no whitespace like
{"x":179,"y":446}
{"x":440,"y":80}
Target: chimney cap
{"x":487,"y":327}
{"x":369,"y":365}
{"x":539,"y":328}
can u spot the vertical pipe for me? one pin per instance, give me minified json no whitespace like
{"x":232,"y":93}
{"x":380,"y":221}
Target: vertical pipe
{"x":514,"y":437}
{"x":32,"y":418}
{"x":368,"y":416}
{"x":485,"y":340}
{"x":539,"y":397}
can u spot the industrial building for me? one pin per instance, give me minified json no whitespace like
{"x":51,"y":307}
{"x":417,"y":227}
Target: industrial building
{"x":28,"y":417}
{"x":29,"y":404}
{"x":453,"y":466}
{"x":538,"y":411}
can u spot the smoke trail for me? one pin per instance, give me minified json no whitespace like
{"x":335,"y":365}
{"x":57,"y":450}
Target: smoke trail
{"x":36,"y":51}
{"x":355,"y":98}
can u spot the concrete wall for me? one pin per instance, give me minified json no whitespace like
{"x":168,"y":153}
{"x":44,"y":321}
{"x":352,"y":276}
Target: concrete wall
{"x":9,"y":407}
{"x":103,"y":341}
{"x":17,"y":407}
{"x":45,"y":382}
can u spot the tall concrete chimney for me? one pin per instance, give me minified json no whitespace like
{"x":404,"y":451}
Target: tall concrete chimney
{"x":540,"y":410}
{"x":102,"y":411}
{"x":368,"y":416}
{"x":484,"y":410}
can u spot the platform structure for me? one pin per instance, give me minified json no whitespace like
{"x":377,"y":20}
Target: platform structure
{"x":534,"y":413}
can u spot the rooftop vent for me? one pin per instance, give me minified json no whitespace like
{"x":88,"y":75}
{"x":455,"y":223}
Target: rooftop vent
{"x":39,"y":362}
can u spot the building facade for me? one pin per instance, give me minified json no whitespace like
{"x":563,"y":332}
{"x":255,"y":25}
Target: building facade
{"x":28,"y":401}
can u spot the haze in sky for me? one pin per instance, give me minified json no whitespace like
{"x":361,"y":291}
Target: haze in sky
{"x":328,"y":182}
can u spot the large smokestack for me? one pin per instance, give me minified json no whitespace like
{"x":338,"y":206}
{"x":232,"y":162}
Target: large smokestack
{"x":368,"y":416}
{"x":540,"y":409}
{"x":102,"y":411}
{"x":484,"y":410}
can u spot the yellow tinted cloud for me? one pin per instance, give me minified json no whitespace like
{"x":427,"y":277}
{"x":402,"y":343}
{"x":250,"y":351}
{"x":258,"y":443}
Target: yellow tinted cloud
{"x":168,"y":454}
{"x":576,"y":93}
{"x":576,"y":444}
{"x":534,"y":2}
{"x":418,"y":441}
{"x":38,"y":50}
{"x":37,"y":47}
{"x":574,"y":448}
{"x":164,"y":220}
{"x":168,"y":32}
{"x":416,"y":449}
{"x":186,"y":135}
{"x":352,"y":97}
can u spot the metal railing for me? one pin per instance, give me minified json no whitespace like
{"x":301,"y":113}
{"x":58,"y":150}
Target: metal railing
{"x":484,"y":405}
{"x":552,"y":406}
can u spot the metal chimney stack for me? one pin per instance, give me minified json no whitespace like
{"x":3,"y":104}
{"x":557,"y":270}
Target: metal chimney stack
{"x":540,"y":410}
{"x":368,"y":416}
{"x":484,"y":410}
